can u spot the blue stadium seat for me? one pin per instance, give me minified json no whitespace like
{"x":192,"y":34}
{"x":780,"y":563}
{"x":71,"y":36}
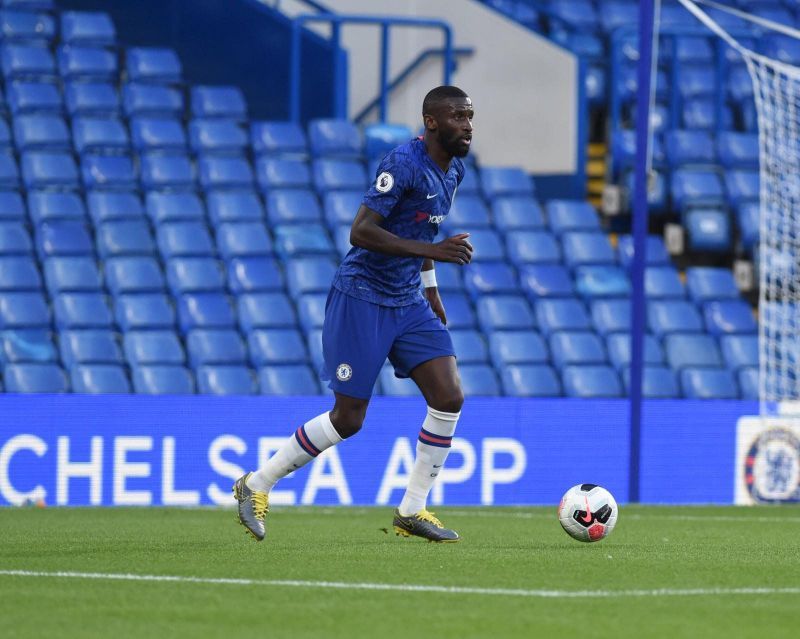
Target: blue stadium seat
{"x":470,"y":184}
{"x":63,"y":237}
{"x":336,"y":175}
{"x":504,"y":312}
{"x":218,"y":102}
{"x":27,"y":345}
{"x":153,"y":347}
{"x":242,"y":205}
{"x":729,"y":316}
{"x":335,"y":139}
{"x":133,"y":274}
{"x":708,"y":230}
{"x":181,"y":239}
{"x":591,"y":381}
{"x":144,"y":311}
{"x":488,"y":245}
{"x":166,"y":172}
{"x":618,"y":347}
{"x":282,"y":173}
{"x":14,"y":239}
{"x":42,"y":132}
{"x":93,"y":99}
{"x":35,"y":378}
{"x":689,"y":146}
{"x":504,"y":181}
{"x":739,"y":351}
{"x":193,"y":274}
{"x":150,"y":133}
{"x":101,"y":135}
{"x":739,"y":88}
{"x":92,"y":346}
{"x":153,"y":65}
{"x":49,"y":169}
{"x":576,"y":347}
{"x":658,"y":382}
{"x":99,"y":378}
{"x":380,"y":138}
{"x":448,"y":275}
{"x":51,"y":205}
{"x":469,"y":346}
{"x":706,"y":283}
{"x":516,"y":347}
{"x":35,"y":97}
{"x":341,"y":240}
{"x":561,"y":315}
{"x":314,"y":343}
{"x":580,"y":14}
{"x":19,"y":273}
{"x":265,"y":310}
{"x":71,"y":273}
{"x":748,"y":382}
{"x":278,"y":138}
{"x":108,"y":172}
{"x":205,"y":310}
{"x":490,"y":278}
{"x":738,"y":150}
{"x":479,"y":380}
{"x":692,"y":349}
{"x":582,"y":248}
{"x":673,"y":316}
{"x":611,"y":315}
{"x":9,"y":174}
{"x":226,"y":380}
{"x":709,"y":383}
{"x":701,"y":113}
{"x":27,"y":27}
{"x":309,"y":275}
{"x":459,"y":310}
{"x":663,"y":282}
{"x":545,"y":280}
{"x":603,"y":280}
{"x":87,"y":64}
{"x":215,"y":346}
{"x":250,"y":274}
{"x":571,"y":215}
{"x":215,"y":137}
{"x":5,"y":134}
{"x":623,"y":151}
{"x":395,"y":386}
{"x":81,"y":310}
{"x":21,"y":62}
{"x":151,"y":100}
{"x":224,"y":172}
{"x":169,"y":206}
{"x":311,"y":311}
{"x":293,"y":206}
{"x":693,"y":50}
{"x":747,"y":218}
{"x":162,"y":380}
{"x":514,"y":213}
{"x":468,"y":212}
{"x":696,"y":187}
{"x":124,"y":237}
{"x":340,"y":207}
{"x":93,"y":28}
{"x":276,"y":346}
{"x":12,"y":207}
{"x":530,"y":380}
{"x":23,"y":310}
{"x":293,"y":379}
{"x":243,"y":239}
{"x":742,"y":186}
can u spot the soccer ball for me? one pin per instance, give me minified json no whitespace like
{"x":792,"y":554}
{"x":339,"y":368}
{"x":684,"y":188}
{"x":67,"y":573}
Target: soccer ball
{"x":587,"y":512}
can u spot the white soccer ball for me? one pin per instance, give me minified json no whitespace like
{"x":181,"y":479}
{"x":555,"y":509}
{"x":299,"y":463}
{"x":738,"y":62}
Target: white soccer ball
{"x":587,"y":512}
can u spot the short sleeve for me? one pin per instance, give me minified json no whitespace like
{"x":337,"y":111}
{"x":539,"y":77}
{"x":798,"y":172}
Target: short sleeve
{"x":394,"y":178}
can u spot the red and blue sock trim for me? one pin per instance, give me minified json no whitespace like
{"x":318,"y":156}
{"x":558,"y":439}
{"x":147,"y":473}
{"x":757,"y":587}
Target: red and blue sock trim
{"x":305,"y":442}
{"x":432,"y":439}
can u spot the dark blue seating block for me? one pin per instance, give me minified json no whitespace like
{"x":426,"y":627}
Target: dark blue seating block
{"x":448,"y":276}
{"x":217,"y":137}
{"x":215,"y":346}
{"x":701,"y":113}
{"x":149,"y":133}
{"x":50,"y":205}
{"x":591,"y":381}
{"x":241,"y":205}
{"x":469,"y":346}
{"x":243,"y":239}
{"x":151,"y":100}
{"x":739,"y":351}
{"x":738,"y":150}
{"x":144,"y":311}
{"x":19,"y":273}
{"x":748,"y":382}
{"x":95,"y":99}
{"x":545,"y":280}
{"x":250,"y":274}
{"x":166,"y":171}
{"x":41,"y":132}
{"x":162,"y":380}
{"x":747,"y":218}
{"x":468,"y":212}
{"x":479,"y":380}
{"x":153,"y":347}
{"x":314,"y":343}
{"x":611,"y":315}
{"x":487,"y":244}
{"x":618,"y":346}
{"x":87,"y":63}
{"x":311,"y":311}
{"x":587,"y":247}
{"x":603,"y":280}
{"x":81,"y":310}
{"x":309,"y":275}
{"x":692,"y":349}
{"x":23,"y":310}
{"x":193,"y":274}
{"x":171,"y":206}
{"x":708,"y":230}
{"x":278,"y":138}
{"x":512,"y":213}
{"x":27,"y":62}
{"x":63,"y":237}
{"x":99,"y":378}
{"x":35,"y":97}
{"x":35,"y":378}
{"x":504,"y":312}
{"x":470,"y":184}
{"x":297,"y":240}
{"x":380,"y":138}
{"x":490,"y":278}
{"x":48,"y":169}
{"x":124,"y":237}
{"x":517,"y":347}
{"x":27,"y":27}
{"x":458,"y":309}
{"x":276,"y":346}
{"x":673,"y":316}
{"x":729,"y":316}
{"x":71,"y":273}
{"x":561,"y":315}
{"x":742,"y":186}
{"x":225,"y":172}
{"x":103,"y":135}
{"x":658,"y":382}
{"x":294,"y":206}
{"x":265,"y":310}
{"x":530,"y":380}
{"x":108,"y":172}
{"x":503,"y":181}
{"x":27,"y":345}
{"x":696,"y":187}
{"x":89,"y":346}
{"x":689,"y":146}
{"x":705,"y":283}
{"x":395,"y":386}
{"x":335,"y":175}
{"x":133,"y":274}
{"x":218,"y":102}
{"x":153,"y":65}
{"x":14,"y":239}
{"x":226,"y":380}
{"x":663,"y":282}
{"x":340,"y":207}
{"x":282,"y":173}
{"x":709,"y":383}
{"x":293,"y":379}
{"x":12,"y":208}
{"x":571,"y":215}
{"x":183,"y":239}
{"x":335,"y":138}
{"x":205,"y":310}
{"x":693,"y":50}
{"x":576,"y":347}
{"x":94,"y":28}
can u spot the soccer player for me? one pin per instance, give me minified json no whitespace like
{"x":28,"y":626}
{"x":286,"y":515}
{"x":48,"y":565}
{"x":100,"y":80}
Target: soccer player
{"x":376,"y":309}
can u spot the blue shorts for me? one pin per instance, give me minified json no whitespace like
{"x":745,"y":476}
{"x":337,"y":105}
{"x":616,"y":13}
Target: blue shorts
{"x":358,"y":336}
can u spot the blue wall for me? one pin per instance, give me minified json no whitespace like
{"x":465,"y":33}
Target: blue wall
{"x":240,"y":42}
{"x":168,"y":450}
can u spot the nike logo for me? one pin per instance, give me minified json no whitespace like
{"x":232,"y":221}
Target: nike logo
{"x":588,"y":517}
{"x":430,"y":197}
{"x":435,"y":466}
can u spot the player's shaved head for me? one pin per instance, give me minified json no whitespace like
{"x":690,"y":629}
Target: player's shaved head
{"x":439,"y":97}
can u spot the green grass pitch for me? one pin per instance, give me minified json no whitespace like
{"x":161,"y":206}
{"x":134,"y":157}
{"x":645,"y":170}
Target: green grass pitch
{"x":333,"y":572}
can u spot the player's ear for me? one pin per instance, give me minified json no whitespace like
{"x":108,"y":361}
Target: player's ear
{"x":430,"y":122}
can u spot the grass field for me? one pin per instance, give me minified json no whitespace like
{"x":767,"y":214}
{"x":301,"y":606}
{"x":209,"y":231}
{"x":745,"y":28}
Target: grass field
{"x":330,"y":573}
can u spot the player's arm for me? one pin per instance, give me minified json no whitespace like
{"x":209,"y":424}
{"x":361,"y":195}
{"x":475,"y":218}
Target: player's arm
{"x":368,"y":233}
{"x":428,"y":275}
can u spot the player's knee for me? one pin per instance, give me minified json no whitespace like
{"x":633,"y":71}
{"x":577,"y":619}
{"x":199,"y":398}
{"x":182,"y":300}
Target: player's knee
{"x":449,"y":402}
{"x":347,"y":421}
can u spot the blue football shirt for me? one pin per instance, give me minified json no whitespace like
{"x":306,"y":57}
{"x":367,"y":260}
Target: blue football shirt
{"x":414,"y":196}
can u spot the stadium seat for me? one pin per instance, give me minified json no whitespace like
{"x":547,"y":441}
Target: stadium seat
{"x":133,"y":274}
{"x":81,"y":310}
{"x":282,"y":173}
{"x":567,"y":314}
{"x":591,"y":381}
{"x":124,"y":237}
{"x":708,"y":230}
{"x":144,"y":311}
{"x":19,"y":273}
{"x":36,"y":97}
{"x":92,"y":28}
{"x":9,"y":174}
{"x":692,"y":349}
{"x":149,"y":133}
{"x":333,"y":138}
{"x":265,"y":310}
{"x":205,"y":310}
{"x":153,"y":65}
{"x":250,"y":274}
{"x":27,"y":345}
{"x":448,"y":275}
{"x":530,"y":380}
{"x":490,"y":278}
{"x":50,"y":205}
{"x":623,"y":151}
{"x":340,"y":207}
{"x":41,"y":132}
{"x":479,"y":380}
{"x":504,"y":312}
{"x":276,"y":346}
{"x":741,"y":186}
{"x":85,"y":64}
{"x":505,"y":181}
{"x":610,"y":315}
{"x":470,"y":183}
{"x":459,"y":310}
{"x":663,"y":282}
{"x":162,"y":380}
{"x":12,"y":208}
{"x":545,"y":280}
{"x":243,"y":239}
{"x":71,"y":273}
{"x":468,"y":212}
{"x":90,"y":99}
{"x":92,"y":346}
{"x":658,"y":382}
{"x":215,"y":346}
{"x":739,"y":351}
{"x":696,"y":187}
{"x":153,"y":347}
{"x":336,"y":175}
{"x":309,"y":275}
{"x":673,"y":316}
{"x":583,"y":248}
{"x":27,"y":27}
{"x":226,"y":380}
{"x":224,"y":172}
{"x":693,"y":50}
{"x":166,"y":172}
{"x":184,"y":239}
{"x":602,"y":280}
{"x":99,"y":135}
{"x":48,"y":169}
{"x":174,"y":206}
{"x":514,"y":213}
{"x":576,"y":347}
{"x":705,"y":283}
{"x":311,"y":311}
{"x":99,"y":378}
{"x":729,"y":316}
{"x":701,"y":113}
{"x":14,"y":239}
{"x":108,"y":172}
{"x":297,"y":240}
{"x":24,"y":62}
{"x":618,"y":347}
{"x":516,"y":347}
{"x":571,"y":215}
{"x":747,"y":219}
{"x":193,"y":274}
{"x":293,"y":379}
{"x":294,"y":206}
{"x":217,"y":137}
{"x":241,"y":205}
{"x":63,"y":237}
{"x":684,"y":147}
{"x":23,"y":310}
{"x":314,"y":344}
{"x":396,"y":386}
{"x":656,"y":251}
{"x":380,"y":138}
{"x":35,"y":378}
{"x":748,"y":382}
{"x":278,"y":138}
{"x":738,"y":150}
{"x":151,"y":100}
{"x":709,"y":383}
{"x":218,"y":102}
{"x":469,"y":346}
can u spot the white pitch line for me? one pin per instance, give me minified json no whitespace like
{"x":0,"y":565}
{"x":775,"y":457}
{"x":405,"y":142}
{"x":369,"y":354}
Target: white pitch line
{"x":723,"y":518}
{"x":451,"y":590}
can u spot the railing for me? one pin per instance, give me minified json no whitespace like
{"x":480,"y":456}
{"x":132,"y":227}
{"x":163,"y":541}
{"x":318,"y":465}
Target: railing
{"x":336,"y":22}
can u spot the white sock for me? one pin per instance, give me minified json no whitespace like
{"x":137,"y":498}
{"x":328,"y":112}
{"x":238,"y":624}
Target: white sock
{"x":307,"y":442}
{"x":433,"y":446}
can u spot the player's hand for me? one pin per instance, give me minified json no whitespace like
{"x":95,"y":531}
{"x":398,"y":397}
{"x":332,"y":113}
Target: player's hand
{"x":455,"y":249}
{"x":432,"y":295}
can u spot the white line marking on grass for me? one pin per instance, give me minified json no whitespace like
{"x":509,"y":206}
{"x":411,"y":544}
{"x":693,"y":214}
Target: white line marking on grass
{"x":457,"y":590}
{"x":724,"y":518}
